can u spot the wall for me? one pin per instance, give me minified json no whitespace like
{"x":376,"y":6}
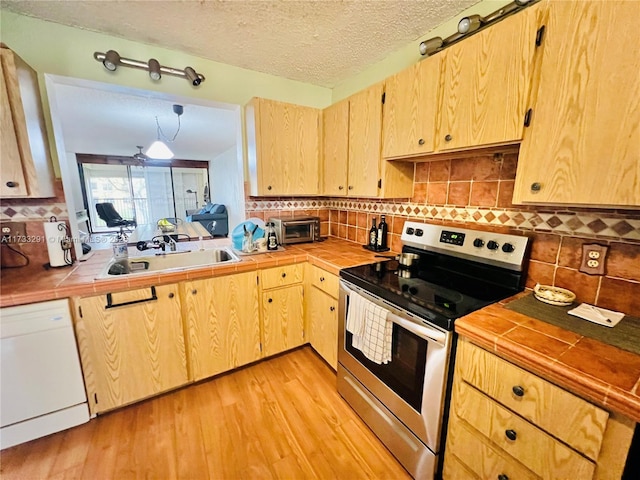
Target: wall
{"x":475,"y":192}
{"x":226,"y":187}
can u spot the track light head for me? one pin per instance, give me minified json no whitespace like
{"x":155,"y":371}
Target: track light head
{"x":192,"y":76}
{"x":111,"y":60}
{"x":154,"y":69}
{"x":469,"y":24}
{"x":430,"y":46}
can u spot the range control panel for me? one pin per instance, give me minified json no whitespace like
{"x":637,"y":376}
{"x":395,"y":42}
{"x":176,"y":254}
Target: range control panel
{"x":503,"y":250}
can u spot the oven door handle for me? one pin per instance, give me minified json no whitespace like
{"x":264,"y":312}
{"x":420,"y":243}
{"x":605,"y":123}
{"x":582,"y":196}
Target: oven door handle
{"x":420,"y":330}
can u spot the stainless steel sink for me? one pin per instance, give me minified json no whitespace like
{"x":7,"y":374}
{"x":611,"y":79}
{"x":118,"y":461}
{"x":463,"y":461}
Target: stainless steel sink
{"x":167,"y":261}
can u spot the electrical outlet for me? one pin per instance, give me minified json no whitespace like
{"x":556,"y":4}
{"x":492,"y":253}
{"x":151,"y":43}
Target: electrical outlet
{"x":593,"y":258}
{"x":13,"y":232}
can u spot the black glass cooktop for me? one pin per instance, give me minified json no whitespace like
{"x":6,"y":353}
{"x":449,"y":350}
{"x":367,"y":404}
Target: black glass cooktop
{"x":437,"y":289}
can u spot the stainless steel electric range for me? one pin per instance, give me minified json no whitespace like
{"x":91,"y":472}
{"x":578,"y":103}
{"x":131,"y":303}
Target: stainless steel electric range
{"x":454,"y":271}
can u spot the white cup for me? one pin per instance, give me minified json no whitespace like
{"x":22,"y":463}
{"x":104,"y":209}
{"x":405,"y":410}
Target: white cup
{"x":261,"y":244}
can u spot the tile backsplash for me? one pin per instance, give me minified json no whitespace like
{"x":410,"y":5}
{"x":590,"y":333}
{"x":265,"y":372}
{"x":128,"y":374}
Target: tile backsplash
{"x":475,"y":192}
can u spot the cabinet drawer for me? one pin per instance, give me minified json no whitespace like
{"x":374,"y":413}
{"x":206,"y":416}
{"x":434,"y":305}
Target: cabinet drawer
{"x":465,"y":445}
{"x":282,"y":276}
{"x":532,"y":447}
{"x":565,"y":416}
{"x":325,"y":281}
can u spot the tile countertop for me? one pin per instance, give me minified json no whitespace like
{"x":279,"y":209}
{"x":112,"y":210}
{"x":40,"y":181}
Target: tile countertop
{"x":603,"y":374}
{"x":36,"y":284}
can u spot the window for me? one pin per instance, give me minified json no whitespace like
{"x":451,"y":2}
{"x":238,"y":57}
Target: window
{"x":145,"y":193}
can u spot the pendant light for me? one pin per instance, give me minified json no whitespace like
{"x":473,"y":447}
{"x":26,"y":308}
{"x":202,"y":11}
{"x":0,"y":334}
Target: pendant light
{"x":159,"y":150}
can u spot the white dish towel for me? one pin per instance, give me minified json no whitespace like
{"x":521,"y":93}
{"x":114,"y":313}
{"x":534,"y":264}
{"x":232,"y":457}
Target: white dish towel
{"x":372,"y":332}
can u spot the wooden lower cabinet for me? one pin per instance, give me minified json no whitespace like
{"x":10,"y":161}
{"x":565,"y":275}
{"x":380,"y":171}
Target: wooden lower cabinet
{"x":222,"y":323}
{"x":131,"y":345}
{"x":323,"y":325}
{"x":506,"y":422}
{"x":282,"y":319}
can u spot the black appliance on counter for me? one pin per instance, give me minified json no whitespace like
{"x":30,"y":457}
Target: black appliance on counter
{"x":456,"y":272}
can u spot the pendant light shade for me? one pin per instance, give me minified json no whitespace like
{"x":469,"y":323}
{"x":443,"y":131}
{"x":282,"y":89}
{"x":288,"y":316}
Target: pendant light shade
{"x":159,"y":151}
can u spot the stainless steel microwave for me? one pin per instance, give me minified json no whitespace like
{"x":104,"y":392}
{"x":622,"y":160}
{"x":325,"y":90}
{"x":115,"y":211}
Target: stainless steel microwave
{"x":297,"y":229}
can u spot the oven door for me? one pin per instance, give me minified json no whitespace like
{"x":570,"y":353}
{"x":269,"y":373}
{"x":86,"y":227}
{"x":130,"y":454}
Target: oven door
{"x":412,"y":385}
{"x":297,"y":231}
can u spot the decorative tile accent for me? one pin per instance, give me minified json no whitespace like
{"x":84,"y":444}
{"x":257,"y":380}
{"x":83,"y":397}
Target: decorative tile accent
{"x":590,"y":224}
{"x":40,"y":212}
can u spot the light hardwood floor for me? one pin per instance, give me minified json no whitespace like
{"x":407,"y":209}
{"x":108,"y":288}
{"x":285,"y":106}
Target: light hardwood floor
{"x":280,"y":418}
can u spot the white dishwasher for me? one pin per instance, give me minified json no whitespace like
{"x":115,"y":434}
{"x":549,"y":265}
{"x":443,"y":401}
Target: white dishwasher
{"x":42,"y":390}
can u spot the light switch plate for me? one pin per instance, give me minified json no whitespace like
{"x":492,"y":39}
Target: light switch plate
{"x":593,"y":258}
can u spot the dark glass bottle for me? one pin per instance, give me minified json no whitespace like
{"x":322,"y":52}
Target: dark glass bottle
{"x":382,"y":233}
{"x":373,"y":234}
{"x":272,"y":240}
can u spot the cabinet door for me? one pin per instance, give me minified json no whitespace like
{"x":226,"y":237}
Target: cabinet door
{"x":131,"y":344}
{"x":323,"y":325}
{"x":283,"y":321}
{"x":411,"y":103}
{"x":336,"y":148}
{"x":583,"y":144}
{"x":486,"y":84}
{"x":365,"y":135}
{"x":223,"y":323}
{"x":26,"y":167}
{"x":287,"y":147}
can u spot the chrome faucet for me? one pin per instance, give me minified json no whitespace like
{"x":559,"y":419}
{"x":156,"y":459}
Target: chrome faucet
{"x":161,"y":242}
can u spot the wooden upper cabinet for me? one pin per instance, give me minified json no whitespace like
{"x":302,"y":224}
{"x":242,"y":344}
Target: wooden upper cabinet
{"x":25,"y":165}
{"x":583,"y":145}
{"x":411,"y":104}
{"x":335,"y":142}
{"x":365,"y":136}
{"x":486,"y":84}
{"x":283,"y":148}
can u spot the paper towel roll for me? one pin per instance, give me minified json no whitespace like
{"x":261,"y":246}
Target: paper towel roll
{"x":54,"y":235}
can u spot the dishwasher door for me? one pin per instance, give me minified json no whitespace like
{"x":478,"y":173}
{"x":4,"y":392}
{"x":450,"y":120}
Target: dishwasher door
{"x":42,"y":390}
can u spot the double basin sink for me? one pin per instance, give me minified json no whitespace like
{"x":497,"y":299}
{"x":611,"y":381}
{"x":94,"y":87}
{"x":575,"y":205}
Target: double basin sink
{"x":168,"y":261}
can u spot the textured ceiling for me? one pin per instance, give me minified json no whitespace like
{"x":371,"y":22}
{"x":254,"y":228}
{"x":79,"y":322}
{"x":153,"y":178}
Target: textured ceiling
{"x":321,"y":42}
{"x":112,"y":123}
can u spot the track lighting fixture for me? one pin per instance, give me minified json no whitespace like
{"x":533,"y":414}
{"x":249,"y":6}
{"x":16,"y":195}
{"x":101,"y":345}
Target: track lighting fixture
{"x":112,"y":60}
{"x":471,"y":24}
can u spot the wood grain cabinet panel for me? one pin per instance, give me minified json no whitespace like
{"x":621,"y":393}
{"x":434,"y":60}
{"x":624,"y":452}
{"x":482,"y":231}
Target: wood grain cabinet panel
{"x":411,"y":104}
{"x":531,"y":446}
{"x":222,"y":320}
{"x":325,"y":281}
{"x":26,"y":168}
{"x":323,"y":325}
{"x":281,"y":276}
{"x":567,"y":417}
{"x":131,"y":345}
{"x":282,"y":319}
{"x":479,"y":456}
{"x":583,"y":145}
{"x":335,"y":147}
{"x":487,"y":79}
{"x":283,"y":143}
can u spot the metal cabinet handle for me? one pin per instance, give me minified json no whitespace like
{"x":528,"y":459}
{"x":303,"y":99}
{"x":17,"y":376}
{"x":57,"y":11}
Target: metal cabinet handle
{"x":171,"y":295}
{"x":421,"y":141}
{"x":517,"y":390}
{"x":194,"y":291}
{"x":536,"y":187}
{"x":332,"y":308}
{"x":502,"y":476}
{"x":284,"y":275}
{"x":448,"y":138}
{"x":511,"y":434}
{"x":322,"y":279}
{"x":269,"y":187}
{"x":12,"y":184}
{"x":153,"y":297}
{"x":340,"y":187}
{"x":270,"y":300}
{"x":350,"y":187}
